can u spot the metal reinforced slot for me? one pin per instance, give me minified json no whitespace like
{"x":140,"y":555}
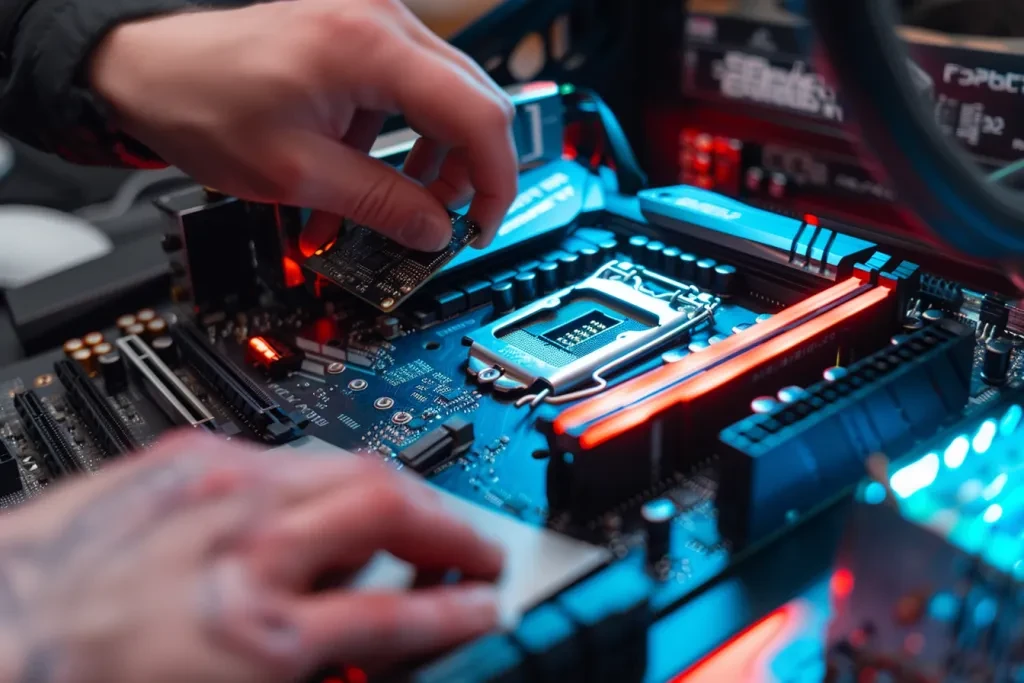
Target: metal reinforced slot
{"x":161,"y":384}
{"x":51,"y":443}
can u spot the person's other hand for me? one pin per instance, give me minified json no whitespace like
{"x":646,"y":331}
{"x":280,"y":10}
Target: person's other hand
{"x":280,"y":102}
{"x":195,"y":561}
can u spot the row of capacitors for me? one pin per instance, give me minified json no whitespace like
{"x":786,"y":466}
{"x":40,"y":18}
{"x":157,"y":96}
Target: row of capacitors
{"x":97,"y":356}
{"x":706,"y":273}
{"x":510,"y":288}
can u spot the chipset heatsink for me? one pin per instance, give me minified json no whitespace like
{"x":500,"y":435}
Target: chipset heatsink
{"x":572,"y":336}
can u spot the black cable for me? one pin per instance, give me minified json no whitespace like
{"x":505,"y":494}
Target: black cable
{"x":582,"y":103}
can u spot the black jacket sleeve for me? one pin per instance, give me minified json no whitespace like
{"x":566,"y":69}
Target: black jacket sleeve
{"x":44,"y":98}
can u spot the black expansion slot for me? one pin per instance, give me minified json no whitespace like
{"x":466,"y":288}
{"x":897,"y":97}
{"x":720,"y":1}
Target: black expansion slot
{"x":10,"y":473}
{"x":105,"y":426}
{"x":51,"y":442}
{"x":260,"y":412}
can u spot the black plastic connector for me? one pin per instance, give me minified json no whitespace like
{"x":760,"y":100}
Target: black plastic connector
{"x":439,"y":447}
{"x":105,"y":426}
{"x":803,"y":454}
{"x":252,"y":405}
{"x":53,"y":446}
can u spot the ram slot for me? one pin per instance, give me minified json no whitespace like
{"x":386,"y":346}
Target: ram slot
{"x":166,"y":390}
{"x":263,"y":415}
{"x":50,"y":441}
{"x":106,"y":428}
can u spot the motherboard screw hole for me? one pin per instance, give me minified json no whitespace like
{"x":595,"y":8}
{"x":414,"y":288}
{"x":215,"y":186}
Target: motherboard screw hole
{"x":432,"y":345}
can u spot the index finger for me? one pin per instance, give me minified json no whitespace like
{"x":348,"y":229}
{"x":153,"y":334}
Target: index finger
{"x":443,"y":102}
{"x":389,"y":512}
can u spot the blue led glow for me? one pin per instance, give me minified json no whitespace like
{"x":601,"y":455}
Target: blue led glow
{"x":1011,"y":420}
{"x":944,"y":607}
{"x":983,"y":439}
{"x":985,"y":612}
{"x":874,"y":493}
{"x":956,"y":452}
{"x":995,"y":487}
{"x":992,"y":513}
{"x":915,"y":476}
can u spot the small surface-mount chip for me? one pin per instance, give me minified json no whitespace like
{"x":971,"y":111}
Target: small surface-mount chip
{"x":379,"y":270}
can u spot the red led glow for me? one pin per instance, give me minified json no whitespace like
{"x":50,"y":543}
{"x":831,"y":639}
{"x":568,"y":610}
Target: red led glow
{"x":811,"y":219}
{"x":354,"y":675}
{"x":842,"y":583}
{"x":262,"y":347}
{"x":292,"y":273}
{"x":746,"y":658}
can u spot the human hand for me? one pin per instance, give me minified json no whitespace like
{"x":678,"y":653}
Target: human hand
{"x":281,"y":101}
{"x":195,"y":562}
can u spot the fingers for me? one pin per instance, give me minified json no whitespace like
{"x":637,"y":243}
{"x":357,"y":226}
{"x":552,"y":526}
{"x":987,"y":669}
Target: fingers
{"x":365,"y":627}
{"x":346,"y":182}
{"x":451,"y":107}
{"x":424,"y":160}
{"x":453,"y":186}
{"x":388,"y":512}
{"x":321,"y":228}
{"x":364,"y":129}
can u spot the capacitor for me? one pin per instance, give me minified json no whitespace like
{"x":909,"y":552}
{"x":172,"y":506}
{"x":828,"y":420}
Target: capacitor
{"x":114,"y":372}
{"x":156,"y":328}
{"x":526,"y":287}
{"x":777,"y":185}
{"x":913,"y":324}
{"x":763,"y":404}
{"x":696,"y":346}
{"x":72,"y":345}
{"x":125,"y":321}
{"x":590,"y":257}
{"x":503,"y":297}
{"x":995,"y":365}
{"x":85,"y":358}
{"x":138,"y":329}
{"x":723,"y":278}
{"x":658,"y":516}
{"x":717,"y":339}
{"x":740,"y":327}
{"x":834,"y":374}
{"x":608,"y":249}
{"x":688,"y":266}
{"x":388,"y":326}
{"x":670,"y":261}
{"x":547,"y":277}
{"x":92,"y":339}
{"x":898,"y":339}
{"x":704,"y":269}
{"x":933,"y":315}
{"x":637,"y":243}
{"x":570,"y":264}
{"x":165,"y":348}
{"x":145,"y":316}
{"x":764,"y":317}
{"x":791,"y":394}
{"x":653,"y":255}
{"x":102,"y":349}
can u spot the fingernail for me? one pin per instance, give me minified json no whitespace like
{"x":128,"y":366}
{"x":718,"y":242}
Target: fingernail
{"x":426,"y":234}
{"x":481,"y":600}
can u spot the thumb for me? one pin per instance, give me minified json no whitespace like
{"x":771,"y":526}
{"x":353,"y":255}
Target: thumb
{"x":346,"y":182}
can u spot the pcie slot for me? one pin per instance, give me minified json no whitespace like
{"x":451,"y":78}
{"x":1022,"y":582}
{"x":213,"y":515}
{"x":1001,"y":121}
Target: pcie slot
{"x":51,"y":442}
{"x":251,"y":403}
{"x":107,"y":429}
{"x":160,"y":383}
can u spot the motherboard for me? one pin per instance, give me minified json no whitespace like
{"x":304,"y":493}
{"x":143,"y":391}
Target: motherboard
{"x":684,"y":381}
